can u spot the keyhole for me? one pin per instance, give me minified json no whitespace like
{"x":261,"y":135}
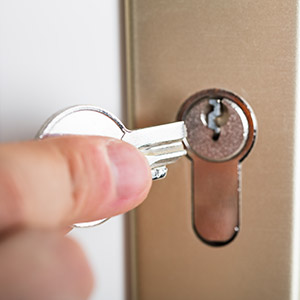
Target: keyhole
{"x":216,"y":117}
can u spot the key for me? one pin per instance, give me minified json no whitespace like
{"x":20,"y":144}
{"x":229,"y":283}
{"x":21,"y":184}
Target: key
{"x":162,"y":145}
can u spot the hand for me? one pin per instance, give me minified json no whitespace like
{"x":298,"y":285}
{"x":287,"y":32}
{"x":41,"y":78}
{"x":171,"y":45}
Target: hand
{"x":47,"y":185}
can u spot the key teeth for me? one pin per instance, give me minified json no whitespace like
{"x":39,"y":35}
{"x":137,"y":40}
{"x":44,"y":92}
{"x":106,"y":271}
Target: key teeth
{"x":159,"y":173}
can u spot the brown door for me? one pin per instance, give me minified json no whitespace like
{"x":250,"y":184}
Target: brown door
{"x":176,"y":48}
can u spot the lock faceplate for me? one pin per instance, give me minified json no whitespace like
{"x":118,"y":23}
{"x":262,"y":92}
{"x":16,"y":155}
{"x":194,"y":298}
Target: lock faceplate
{"x":216,"y":150}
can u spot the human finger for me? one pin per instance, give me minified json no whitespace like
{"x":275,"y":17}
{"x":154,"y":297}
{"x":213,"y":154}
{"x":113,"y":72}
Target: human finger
{"x":43,"y":265}
{"x":59,"y":181}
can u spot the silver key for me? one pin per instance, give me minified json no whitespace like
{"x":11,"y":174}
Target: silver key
{"x":162,"y":145}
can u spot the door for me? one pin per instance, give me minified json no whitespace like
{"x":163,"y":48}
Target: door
{"x":178,"y":48}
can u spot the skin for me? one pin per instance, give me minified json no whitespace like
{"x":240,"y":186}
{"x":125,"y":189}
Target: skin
{"x":44,"y":187}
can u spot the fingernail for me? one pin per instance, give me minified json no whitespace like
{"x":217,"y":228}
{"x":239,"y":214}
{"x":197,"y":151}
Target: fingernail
{"x":130,"y":170}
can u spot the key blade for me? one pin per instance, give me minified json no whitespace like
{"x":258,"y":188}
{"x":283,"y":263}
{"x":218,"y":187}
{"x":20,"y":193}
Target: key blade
{"x":161,"y":145}
{"x":156,"y":135}
{"x":164,"y":154}
{"x":164,"y":159}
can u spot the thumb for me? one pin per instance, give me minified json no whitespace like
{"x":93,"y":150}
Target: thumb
{"x":64,"y":180}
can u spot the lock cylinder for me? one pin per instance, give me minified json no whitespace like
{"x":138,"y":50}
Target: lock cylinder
{"x":221,"y":131}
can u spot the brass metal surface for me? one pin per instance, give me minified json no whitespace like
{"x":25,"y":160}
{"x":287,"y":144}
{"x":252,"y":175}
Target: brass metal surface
{"x":176,"y":48}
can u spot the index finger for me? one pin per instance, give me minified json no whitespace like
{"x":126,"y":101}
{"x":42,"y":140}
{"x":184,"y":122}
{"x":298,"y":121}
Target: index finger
{"x":64,"y":180}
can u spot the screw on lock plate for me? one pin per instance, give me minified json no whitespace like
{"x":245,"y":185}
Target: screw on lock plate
{"x":221,"y":130}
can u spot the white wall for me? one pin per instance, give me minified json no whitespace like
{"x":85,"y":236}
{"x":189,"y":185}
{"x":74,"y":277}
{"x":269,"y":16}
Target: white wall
{"x":53,"y":54}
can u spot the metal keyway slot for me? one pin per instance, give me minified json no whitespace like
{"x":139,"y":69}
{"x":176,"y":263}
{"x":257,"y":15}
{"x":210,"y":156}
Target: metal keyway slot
{"x":221,"y":130}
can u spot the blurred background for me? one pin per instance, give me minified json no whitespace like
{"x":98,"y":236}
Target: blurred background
{"x":54,"y":54}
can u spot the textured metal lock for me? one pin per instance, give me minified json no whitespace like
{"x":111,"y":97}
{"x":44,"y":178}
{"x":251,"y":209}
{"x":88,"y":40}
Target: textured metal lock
{"x":233,"y":133}
{"x":216,"y":151}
